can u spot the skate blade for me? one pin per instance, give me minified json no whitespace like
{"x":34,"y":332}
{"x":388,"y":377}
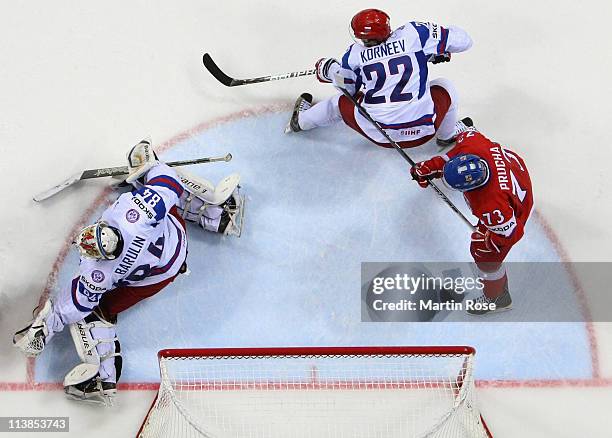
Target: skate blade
{"x":95,"y":400}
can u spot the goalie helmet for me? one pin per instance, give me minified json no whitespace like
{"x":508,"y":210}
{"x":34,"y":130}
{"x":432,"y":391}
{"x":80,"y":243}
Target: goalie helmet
{"x":99,"y":241}
{"x":372,"y":26}
{"x":466,"y":172}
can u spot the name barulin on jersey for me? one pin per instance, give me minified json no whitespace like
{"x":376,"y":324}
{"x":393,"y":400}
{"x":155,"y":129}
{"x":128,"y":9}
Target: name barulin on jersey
{"x":130,"y":255}
{"x":386,"y":49}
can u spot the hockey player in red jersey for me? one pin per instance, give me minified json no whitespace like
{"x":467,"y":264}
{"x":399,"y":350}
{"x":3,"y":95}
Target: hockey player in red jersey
{"x":496,"y":186}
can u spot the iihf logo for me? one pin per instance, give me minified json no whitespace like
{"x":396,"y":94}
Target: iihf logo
{"x":97,"y":276}
{"x":132,"y":216}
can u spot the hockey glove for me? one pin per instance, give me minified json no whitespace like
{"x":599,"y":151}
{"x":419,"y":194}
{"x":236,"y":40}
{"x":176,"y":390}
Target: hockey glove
{"x":141,"y":158}
{"x":484,"y":241}
{"x":437,"y":59}
{"x":324,"y":71}
{"x":426,"y":170}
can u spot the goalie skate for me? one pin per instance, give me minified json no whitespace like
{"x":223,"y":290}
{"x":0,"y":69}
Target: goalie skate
{"x":232,"y":217}
{"x":301,"y":104}
{"x":462,"y":126}
{"x":93,"y":391}
{"x":32,"y":338}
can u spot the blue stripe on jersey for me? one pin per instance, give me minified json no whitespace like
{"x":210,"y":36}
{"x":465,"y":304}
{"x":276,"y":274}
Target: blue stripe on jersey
{"x":443,"y":41}
{"x":359,"y":82}
{"x":426,"y":120}
{"x":423,"y":32}
{"x":76,"y":283}
{"x":177,"y":251}
{"x":423,"y":72}
{"x":345,"y":58}
{"x":168,"y":182}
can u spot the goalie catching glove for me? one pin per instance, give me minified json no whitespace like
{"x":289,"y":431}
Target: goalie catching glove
{"x":141,"y":159}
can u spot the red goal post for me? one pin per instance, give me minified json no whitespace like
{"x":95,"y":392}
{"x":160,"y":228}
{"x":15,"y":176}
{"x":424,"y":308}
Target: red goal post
{"x":316,"y":392}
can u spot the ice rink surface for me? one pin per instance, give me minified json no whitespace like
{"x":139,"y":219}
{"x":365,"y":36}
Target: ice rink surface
{"x":82,"y":84}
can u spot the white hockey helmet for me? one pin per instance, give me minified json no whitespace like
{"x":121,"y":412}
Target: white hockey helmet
{"x":99,"y":241}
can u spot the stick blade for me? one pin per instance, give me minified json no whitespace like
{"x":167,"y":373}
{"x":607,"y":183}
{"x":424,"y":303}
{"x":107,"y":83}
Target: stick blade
{"x":216,"y":71}
{"x":56,"y":189}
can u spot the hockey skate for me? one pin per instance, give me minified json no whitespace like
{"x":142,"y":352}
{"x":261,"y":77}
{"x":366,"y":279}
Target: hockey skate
{"x":461,"y":126}
{"x":232,"y":216}
{"x":93,"y":390}
{"x":32,"y":338}
{"x":301,"y":104}
{"x":502,"y":304}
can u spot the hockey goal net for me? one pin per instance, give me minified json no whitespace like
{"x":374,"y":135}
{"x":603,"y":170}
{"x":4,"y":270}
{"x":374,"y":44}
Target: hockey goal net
{"x":316,"y":392}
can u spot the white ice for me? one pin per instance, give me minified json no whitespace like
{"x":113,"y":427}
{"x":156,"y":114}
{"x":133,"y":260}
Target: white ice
{"x":81,"y":83}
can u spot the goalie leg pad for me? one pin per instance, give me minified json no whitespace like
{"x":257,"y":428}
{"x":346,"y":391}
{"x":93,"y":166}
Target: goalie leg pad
{"x":218,"y":209}
{"x":98,"y":347}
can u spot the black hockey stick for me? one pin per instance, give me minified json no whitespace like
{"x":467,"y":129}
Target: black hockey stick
{"x":397,"y":147}
{"x":115,"y":171}
{"x":231,"y":82}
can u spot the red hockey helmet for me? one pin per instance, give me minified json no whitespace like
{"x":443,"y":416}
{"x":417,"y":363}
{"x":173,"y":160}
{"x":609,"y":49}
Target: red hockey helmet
{"x":371,"y":25}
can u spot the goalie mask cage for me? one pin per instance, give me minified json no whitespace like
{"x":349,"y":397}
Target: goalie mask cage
{"x":356,"y":392}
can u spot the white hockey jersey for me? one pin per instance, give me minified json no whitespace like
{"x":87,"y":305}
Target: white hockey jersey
{"x":394,"y":78}
{"x":154,"y":244}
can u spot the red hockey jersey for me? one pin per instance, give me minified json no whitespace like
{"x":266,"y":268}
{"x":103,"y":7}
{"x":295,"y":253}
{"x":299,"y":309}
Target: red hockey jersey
{"x":504,"y":203}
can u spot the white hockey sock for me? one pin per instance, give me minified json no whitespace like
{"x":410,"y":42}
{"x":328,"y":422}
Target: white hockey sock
{"x":324,"y":113}
{"x":446,"y":130}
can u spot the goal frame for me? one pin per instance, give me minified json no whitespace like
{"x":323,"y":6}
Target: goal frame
{"x":317,"y":351}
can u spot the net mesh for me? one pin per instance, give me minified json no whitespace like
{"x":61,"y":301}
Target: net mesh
{"x":345,"y":395}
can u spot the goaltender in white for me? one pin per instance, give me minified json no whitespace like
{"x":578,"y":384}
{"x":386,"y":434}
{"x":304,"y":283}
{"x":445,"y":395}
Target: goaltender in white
{"x":137,"y":248}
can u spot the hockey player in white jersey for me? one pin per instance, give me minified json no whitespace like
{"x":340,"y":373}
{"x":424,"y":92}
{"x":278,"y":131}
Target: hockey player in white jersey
{"x":136,"y":248}
{"x":388,"y":71}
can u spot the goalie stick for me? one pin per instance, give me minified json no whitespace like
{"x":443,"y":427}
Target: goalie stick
{"x":404,"y":155}
{"x":115,"y":171}
{"x":231,"y":82}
